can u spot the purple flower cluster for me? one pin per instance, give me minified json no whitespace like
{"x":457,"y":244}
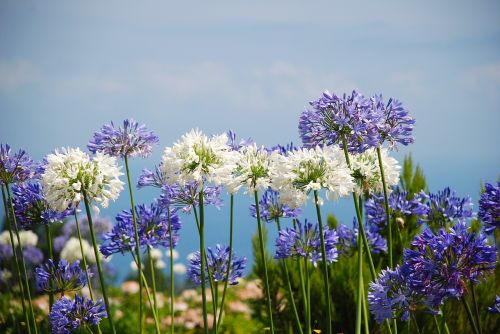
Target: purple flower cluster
{"x":130,"y":140}
{"x":186,"y":197}
{"x":101,"y":227}
{"x":32,"y":255}
{"x":304,"y":241}
{"x":31,"y":207}
{"x":62,"y":278}
{"x":153,"y":222}
{"x":400,"y":205}
{"x":444,"y":208}
{"x":67,"y":314}
{"x":489,"y":207}
{"x":348,"y":239}
{"x":151,"y":179}
{"x":236,"y":146}
{"x":390,"y":297}
{"x":496,"y":306}
{"x":283,"y":149}
{"x":15,"y":168}
{"x":363,"y":122}
{"x":271,"y":209}
{"x":440,"y":265}
{"x":217,"y":262}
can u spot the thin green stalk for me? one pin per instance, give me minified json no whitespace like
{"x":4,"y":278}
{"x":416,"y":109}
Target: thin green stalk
{"x":308,"y":296}
{"x":138,"y":248}
{"x":387,"y":209}
{"x":323,"y":264}
{"x":289,"y":286}
{"x":365,"y":311}
{"x":469,"y":315}
{"x":415,"y":322}
{"x":172,"y":276}
{"x":89,"y":282}
{"x":437,"y":324}
{"x":98,"y":263}
{"x":151,"y":302}
{"x":360,"y":285}
{"x":264,"y":262}
{"x":301,"y":277}
{"x":51,"y":255}
{"x":23,"y":264}
{"x":476,"y":309}
{"x":216,"y":288}
{"x":153,"y":280}
{"x":16,"y":261}
{"x":202,"y":261}
{"x":231,"y":219}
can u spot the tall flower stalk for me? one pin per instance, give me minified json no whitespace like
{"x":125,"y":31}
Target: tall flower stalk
{"x":16,"y":261}
{"x":172,"y":276}
{"x":84,"y":257}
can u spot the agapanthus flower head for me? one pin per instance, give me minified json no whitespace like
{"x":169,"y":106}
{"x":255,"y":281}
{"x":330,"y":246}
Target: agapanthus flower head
{"x":156,"y":225}
{"x":28,"y":238}
{"x":333,"y":118}
{"x":389,"y":296}
{"x":15,"y":167}
{"x":251,"y":170}
{"x":302,"y":171}
{"x":217,"y":262}
{"x":489,"y":207}
{"x":271,"y":208}
{"x":495,"y":308}
{"x":366,"y":171}
{"x":31,"y":207}
{"x":68,"y":315}
{"x":445,"y":207}
{"x":71,"y":250}
{"x":304,"y":241}
{"x":395,"y":124}
{"x":5,"y":251}
{"x":186,"y":196}
{"x":197,"y":157}
{"x":348,"y":239}
{"x":60,"y":278}
{"x":152,"y":178}
{"x":284,"y":149}
{"x":101,"y":226}
{"x":130,"y":140}
{"x":400,"y":205}
{"x":32,"y":255}
{"x":440,"y":265}
{"x":70,"y":173}
{"x":236,"y":146}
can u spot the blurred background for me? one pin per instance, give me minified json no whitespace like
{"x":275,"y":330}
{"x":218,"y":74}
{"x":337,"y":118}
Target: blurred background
{"x":66,"y":68}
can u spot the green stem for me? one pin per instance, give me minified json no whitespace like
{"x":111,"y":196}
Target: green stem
{"x":202,"y":260}
{"x":23,"y":264}
{"x":289,"y":286}
{"x":153,"y":280}
{"x":324,"y":265}
{"x":172,"y":276}
{"x":476,"y":309}
{"x":264,"y":261}
{"x":360,"y":285}
{"x":98,"y":263}
{"x":308,"y":296}
{"x":151,"y":302}
{"x":51,"y":255}
{"x":437,"y":324}
{"x":301,"y":277}
{"x":469,"y":314}
{"x":89,"y":282}
{"x":216,"y":288}
{"x":16,"y":261}
{"x":231,"y":219}
{"x":365,"y":311}
{"x":415,"y":322}
{"x":138,"y":248}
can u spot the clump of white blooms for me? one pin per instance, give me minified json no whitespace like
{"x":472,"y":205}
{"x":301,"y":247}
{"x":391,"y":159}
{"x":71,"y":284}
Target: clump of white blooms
{"x":252,"y":170}
{"x":28,"y":238}
{"x":197,"y":157}
{"x":179,"y":268}
{"x":366,"y":171}
{"x":299,"y":172}
{"x":70,"y":172}
{"x":72,"y":252}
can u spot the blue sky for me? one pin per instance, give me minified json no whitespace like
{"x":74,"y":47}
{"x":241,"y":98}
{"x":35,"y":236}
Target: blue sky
{"x":68,"y":67}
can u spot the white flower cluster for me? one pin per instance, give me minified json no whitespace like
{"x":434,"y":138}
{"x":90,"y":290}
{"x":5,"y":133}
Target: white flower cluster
{"x":72,"y":251}
{"x":197,"y":157}
{"x":71,"y":172}
{"x":366,"y":171}
{"x":299,"y":172}
{"x":28,"y":238}
{"x":252,"y":170}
